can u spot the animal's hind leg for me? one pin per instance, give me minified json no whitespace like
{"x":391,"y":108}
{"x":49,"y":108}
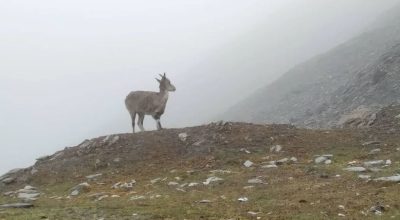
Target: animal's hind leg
{"x":140,"y":121}
{"x":133,"y":117}
{"x":157,"y":118}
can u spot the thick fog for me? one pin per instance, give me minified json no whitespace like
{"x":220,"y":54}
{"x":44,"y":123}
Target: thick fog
{"x":66,"y":66}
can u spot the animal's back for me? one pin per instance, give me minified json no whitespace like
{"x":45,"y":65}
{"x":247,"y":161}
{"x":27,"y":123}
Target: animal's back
{"x":140,"y":101}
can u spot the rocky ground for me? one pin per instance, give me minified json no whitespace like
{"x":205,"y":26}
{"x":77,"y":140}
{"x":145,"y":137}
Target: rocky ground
{"x":217,"y":171}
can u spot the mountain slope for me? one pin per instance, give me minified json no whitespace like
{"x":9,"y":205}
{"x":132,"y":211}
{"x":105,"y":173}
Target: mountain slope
{"x":361,"y":72}
{"x":216,"y":171}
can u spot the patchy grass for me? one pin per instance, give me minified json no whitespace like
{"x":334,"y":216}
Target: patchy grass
{"x":299,"y":190}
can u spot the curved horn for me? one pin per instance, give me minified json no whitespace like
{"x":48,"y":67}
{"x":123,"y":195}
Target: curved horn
{"x":161,"y":75}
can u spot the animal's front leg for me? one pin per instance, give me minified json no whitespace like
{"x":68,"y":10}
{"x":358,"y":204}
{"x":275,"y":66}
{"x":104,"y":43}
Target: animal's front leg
{"x":157,"y":118}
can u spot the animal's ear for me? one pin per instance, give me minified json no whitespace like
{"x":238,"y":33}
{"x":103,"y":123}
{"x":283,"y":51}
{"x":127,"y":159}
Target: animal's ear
{"x":158,"y":80}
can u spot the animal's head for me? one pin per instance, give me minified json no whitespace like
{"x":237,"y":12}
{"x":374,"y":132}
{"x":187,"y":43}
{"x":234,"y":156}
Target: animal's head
{"x":165,"y":84}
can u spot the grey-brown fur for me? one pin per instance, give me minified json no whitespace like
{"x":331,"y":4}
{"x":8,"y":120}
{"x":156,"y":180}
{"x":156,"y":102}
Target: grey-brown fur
{"x":143,"y":103}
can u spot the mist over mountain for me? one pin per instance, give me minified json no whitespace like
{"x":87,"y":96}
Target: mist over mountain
{"x":360,"y":75}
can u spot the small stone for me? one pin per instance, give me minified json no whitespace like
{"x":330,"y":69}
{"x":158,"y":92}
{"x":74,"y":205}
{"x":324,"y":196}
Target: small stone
{"x":117,"y":160}
{"x":388,"y":162}
{"x":364,"y":177}
{"x":293,"y":159}
{"x":83,"y":187}
{"x":377,"y":209}
{"x":34,"y":170}
{"x":245,"y":151}
{"x":374,"y":163}
{"x":389,"y":179}
{"x":16,"y":205}
{"x":243,"y":199}
{"x":269,"y":166}
{"x":341,"y":207}
{"x":355,"y":169}
{"x":276,"y":148}
{"x":320,"y":160}
{"x":193,"y":184}
{"x":183,"y":137}
{"x":371,"y":143}
{"x":282,"y":161}
{"x":8,"y":180}
{"x":94,"y":176}
{"x":221,"y":171}
{"x":248,"y":163}
{"x":255,"y":181}
{"x":155,"y":180}
{"x":375,"y":151}
{"x":173,"y":184}
{"x":248,"y":187}
{"x":133,"y":198}
{"x":328,"y":162}
{"x":205,"y":201}
{"x":341,"y":215}
{"x":212,"y":179}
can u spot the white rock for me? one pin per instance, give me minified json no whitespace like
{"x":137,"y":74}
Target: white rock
{"x":28,"y":196}
{"x":341,"y":215}
{"x":388,"y":162}
{"x":355,"y":169}
{"x":155,"y":180}
{"x":398,"y":116}
{"x":364,"y":177}
{"x":276,"y":148}
{"x":293,"y":159}
{"x":375,"y":151}
{"x":374,"y":163}
{"x":282,"y":161}
{"x":221,"y":171}
{"x":243,"y":199}
{"x":328,"y":162}
{"x":212,"y":179}
{"x":193,"y":184}
{"x":248,"y":187}
{"x":94,"y":176}
{"x":245,"y":150}
{"x":389,"y":179}
{"x":183,"y":136}
{"x":34,"y":170}
{"x":320,"y":160}
{"x":173,"y":184}
{"x":255,"y":181}
{"x":133,"y":198}
{"x":79,"y":188}
{"x":248,"y":163}
{"x":269,"y":166}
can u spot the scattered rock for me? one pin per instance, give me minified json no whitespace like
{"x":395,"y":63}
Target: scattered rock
{"x":154,"y":181}
{"x":389,"y":179}
{"x":282,"y":161}
{"x":369,"y":143}
{"x":173,"y":184}
{"x":133,"y":198}
{"x":117,"y":160}
{"x":183,"y":137}
{"x":205,"y":201}
{"x":193,"y":184}
{"x":374,"y":163}
{"x":355,"y":169}
{"x":83,"y":187}
{"x":269,"y":166}
{"x":16,"y":205}
{"x":221,"y":171}
{"x":124,"y":186}
{"x":245,"y":151}
{"x":94,"y":176}
{"x":34,"y":170}
{"x":320,"y":159}
{"x":377,"y":209}
{"x":293,"y":159}
{"x":212,"y":179}
{"x":375,"y":151}
{"x":243,"y":199}
{"x":364,"y":177}
{"x":248,"y":163}
{"x":28,"y":196}
{"x":341,"y":215}
{"x":388,"y":162}
{"x":8,"y":180}
{"x":255,"y":181}
{"x":248,"y":187}
{"x":276,"y":149}
{"x":328,"y":162}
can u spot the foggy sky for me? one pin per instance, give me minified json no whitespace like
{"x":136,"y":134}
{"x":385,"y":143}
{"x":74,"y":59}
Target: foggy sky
{"x":66,"y":66}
